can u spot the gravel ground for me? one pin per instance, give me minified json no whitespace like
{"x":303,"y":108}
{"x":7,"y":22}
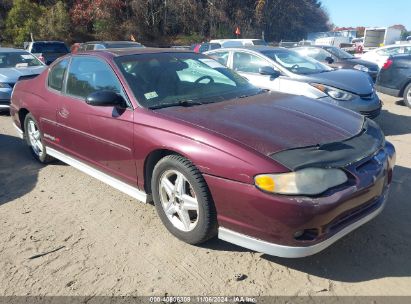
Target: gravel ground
{"x":106,"y":243}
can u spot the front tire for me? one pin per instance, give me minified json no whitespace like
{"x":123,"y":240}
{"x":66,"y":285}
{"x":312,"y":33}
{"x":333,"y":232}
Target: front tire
{"x":407,"y":96}
{"x":183,"y":200}
{"x":34,"y":139}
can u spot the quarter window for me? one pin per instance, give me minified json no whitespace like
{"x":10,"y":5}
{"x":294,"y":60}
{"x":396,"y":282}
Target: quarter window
{"x":56,"y":75}
{"x":88,"y":75}
{"x":248,"y":63}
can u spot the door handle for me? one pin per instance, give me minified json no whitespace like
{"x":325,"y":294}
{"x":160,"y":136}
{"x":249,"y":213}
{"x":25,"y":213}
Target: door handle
{"x":64,"y":113}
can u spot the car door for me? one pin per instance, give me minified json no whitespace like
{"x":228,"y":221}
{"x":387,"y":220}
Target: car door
{"x":248,"y":65}
{"x":102,"y":136}
{"x":54,"y":87}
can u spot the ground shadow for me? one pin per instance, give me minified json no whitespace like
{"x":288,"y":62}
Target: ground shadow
{"x":394,"y":124}
{"x":381,"y":248}
{"x":18,"y":169}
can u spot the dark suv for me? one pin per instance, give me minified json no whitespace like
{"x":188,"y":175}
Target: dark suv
{"x":47,"y":51}
{"x":395,"y":78}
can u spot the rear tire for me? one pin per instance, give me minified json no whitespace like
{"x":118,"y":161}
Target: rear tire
{"x":34,"y":139}
{"x":183,"y":200}
{"x":407,"y":96}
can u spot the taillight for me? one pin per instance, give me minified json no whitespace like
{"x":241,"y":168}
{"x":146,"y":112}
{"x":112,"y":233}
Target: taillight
{"x":387,"y":64}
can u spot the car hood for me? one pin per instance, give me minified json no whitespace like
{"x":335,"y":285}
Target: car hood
{"x":11,"y":75}
{"x":349,"y":80}
{"x":272,"y":122}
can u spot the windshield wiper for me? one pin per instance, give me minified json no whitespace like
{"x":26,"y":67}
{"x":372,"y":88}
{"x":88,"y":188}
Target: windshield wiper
{"x":180,"y":103}
{"x":259,"y":92}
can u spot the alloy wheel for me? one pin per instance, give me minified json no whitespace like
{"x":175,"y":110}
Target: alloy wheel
{"x":179,"y":200}
{"x":35,"y":138}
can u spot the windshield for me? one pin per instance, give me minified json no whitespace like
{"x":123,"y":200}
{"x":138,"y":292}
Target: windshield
{"x":18,"y":60}
{"x":166,"y":79}
{"x":296,"y":63}
{"x":41,"y":47}
{"x":339,"y":53}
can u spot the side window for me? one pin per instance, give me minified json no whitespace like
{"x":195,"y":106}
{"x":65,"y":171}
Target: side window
{"x":221,"y":57}
{"x":388,"y":51}
{"x":204,"y":47}
{"x":248,"y":63}
{"x":89,"y":47}
{"x":56,"y":75}
{"x":322,"y":54}
{"x":87,"y":75}
{"x":99,"y":47}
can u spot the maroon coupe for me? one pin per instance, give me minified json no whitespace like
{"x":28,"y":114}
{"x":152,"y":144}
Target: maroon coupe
{"x":276,"y":173}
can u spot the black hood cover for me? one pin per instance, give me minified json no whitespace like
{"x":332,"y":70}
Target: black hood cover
{"x":335,"y":154}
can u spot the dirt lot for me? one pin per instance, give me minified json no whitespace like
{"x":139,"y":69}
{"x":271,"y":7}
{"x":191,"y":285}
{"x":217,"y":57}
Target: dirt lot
{"x":108,"y":244}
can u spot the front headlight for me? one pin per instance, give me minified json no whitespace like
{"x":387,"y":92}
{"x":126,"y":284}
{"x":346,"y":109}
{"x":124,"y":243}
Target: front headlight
{"x":310,"y":181}
{"x":361,"y":68}
{"x":334,"y":92}
{"x":4,"y":85}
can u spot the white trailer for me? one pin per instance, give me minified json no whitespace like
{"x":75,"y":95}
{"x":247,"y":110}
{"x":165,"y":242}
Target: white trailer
{"x":332,"y":41}
{"x":378,"y":37}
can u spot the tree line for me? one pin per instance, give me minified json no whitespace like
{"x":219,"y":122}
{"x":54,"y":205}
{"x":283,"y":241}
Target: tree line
{"x":158,"y":22}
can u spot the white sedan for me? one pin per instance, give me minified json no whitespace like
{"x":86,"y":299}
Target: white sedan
{"x":380,"y":55}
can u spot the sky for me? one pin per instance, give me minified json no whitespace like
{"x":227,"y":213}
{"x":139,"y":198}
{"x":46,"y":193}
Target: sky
{"x":369,"y":13}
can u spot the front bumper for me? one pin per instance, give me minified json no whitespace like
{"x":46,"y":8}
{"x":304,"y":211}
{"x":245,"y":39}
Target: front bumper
{"x":5,"y":95}
{"x":268,"y":223}
{"x":369,"y":107}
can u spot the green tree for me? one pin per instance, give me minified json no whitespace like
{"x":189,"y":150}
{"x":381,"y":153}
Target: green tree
{"x":55,"y":23}
{"x":22,"y":20}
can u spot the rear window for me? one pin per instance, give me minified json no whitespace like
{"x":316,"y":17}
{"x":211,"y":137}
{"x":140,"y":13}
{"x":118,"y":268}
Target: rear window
{"x":40,"y":47}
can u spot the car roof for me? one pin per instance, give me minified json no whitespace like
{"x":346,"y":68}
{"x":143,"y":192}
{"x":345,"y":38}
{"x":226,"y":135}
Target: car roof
{"x":256,"y":48}
{"x":48,"y":41}
{"x":401,"y":56}
{"x":12,"y":50}
{"x":316,"y":46}
{"x":131,"y":51}
{"x":111,"y":42}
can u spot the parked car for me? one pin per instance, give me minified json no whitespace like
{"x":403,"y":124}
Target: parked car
{"x":204,"y":47}
{"x":14,"y":64}
{"x":272,"y":172}
{"x":226,"y":43}
{"x":395,"y":78}
{"x":287,"y":71}
{"x":102,"y":45}
{"x":47,"y":51}
{"x":339,"y":59}
{"x":379,"y":56}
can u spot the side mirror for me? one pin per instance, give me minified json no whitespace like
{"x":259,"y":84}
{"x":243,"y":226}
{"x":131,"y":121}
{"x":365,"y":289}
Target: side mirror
{"x":329,"y":60}
{"x":267,"y":70}
{"x":106,"y":99}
